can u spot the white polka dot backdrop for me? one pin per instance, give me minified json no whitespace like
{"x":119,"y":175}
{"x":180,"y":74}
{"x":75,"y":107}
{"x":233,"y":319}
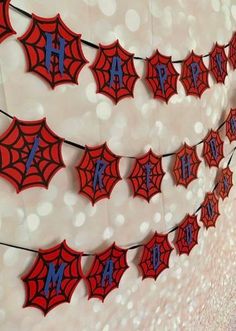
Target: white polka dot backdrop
{"x":196,"y":291}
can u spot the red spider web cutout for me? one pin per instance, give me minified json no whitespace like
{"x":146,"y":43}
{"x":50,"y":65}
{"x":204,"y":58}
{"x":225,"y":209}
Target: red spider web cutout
{"x":87,"y":168}
{"x":23,"y":163}
{"x":34,"y":42}
{"x":209,"y":210}
{"x":232,"y":51}
{"x":6,"y":29}
{"x":225,"y":182}
{"x":98,"y":281}
{"x":213,"y":149}
{"x":194,"y":75}
{"x":146,"y":176}
{"x":161,"y":76}
{"x":219,"y":71}
{"x":186,"y":165}
{"x":155,"y":256}
{"x":35,"y":279}
{"x":185,"y":242}
{"x":231,"y":125}
{"x":101,"y":69}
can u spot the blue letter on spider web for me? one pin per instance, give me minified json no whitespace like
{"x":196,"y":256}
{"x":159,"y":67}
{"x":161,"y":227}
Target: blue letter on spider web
{"x":186,"y":166}
{"x":100,"y":167}
{"x":233,"y":125}
{"x":116,"y":70}
{"x":156,"y":257}
{"x":189,"y":233}
{"x":107,"y":272}
{"x":219,"y":63}
{"x":210,"y":210}
{"x":195,"y":72}
{"x":213,"y":148}
{"x":32,"y":153}
{"x":162,"y":73}
{"x":54,"y":277}
{"x":148,"y":173}
{"x":50,"y":49}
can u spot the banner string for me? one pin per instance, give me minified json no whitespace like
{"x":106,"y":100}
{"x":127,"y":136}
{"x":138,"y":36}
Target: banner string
{"x":74,"y":144}
{"x":173,"y":229}
{"x":90,"y":44}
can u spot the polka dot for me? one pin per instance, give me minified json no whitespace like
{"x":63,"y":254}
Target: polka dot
{"x":130,"y":305}
{"x":168,"y":217}
{"x":157,"y":217}
{"x":106,"y":328}
{"x":189,"y":195}
{"x":108,"y":8}
{"x":198,"y":127}
{"x":10,"y":257}
{"x":70,"y":198}
{"x":132,"y":20}
{"x":144,"y":227}
{"x":103,"y":111}
{"x":33,"y":222}
{"x":79,"y":219}
{"x":120,"y":220}
{"x":91,"y":93}
{"x":108,"y":233}
{"x":44,"y":208}
{"x":215,"y":5}
{"x":233,"y":11}
{"x":159,"y":126}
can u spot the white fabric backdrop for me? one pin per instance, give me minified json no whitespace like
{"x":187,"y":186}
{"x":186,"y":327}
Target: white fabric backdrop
{"x":197,"y":292}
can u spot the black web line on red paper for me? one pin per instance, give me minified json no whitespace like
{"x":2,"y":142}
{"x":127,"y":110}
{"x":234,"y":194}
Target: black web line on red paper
{"x":90,"y":44}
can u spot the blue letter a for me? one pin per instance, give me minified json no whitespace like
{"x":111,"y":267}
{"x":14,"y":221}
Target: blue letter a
{"x":156,"y":257}
{"x":54,"y":277}
{"x":107,"y":272}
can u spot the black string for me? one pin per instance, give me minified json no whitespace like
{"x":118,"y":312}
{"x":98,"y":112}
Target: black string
{"x":19,"y":247}
{"x":6,"y":114}
{"x":90,"y":44}
{"x":74,"y":144}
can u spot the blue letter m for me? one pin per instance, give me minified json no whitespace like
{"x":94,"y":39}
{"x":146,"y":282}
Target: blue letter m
{"x":54,"y":277}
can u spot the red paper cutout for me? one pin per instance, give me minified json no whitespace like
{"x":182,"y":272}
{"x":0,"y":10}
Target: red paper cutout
{"x":114,"y":58}
{"x":218,"y":63}
{"x":98,"y":172}
{"x":232,"y":51}
{"x":161,"y":76}
{"x":194,"y":75}
{"x":225,"y":182}
{"x":105,"y":274}
{"x":213,"y":149}
{"x":30,"y":154}
{"x":187,"y":234}
{"x":155,"y":256}
{"x":146,"y":176}
{"x":231,"y":125}
{"x":44,"y":292}
{"x":186,"y":165}
{"x":46,"y":34}
{"x":6,"y":29}
{"x":210,"y":210}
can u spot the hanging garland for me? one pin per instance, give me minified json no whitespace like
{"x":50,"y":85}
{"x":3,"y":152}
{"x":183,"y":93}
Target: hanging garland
{"x":54,"y":52}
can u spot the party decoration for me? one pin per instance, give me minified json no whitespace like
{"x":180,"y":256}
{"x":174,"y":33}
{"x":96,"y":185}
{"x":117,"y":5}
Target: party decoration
{"x":106,"y":272}
{"x":209,"y":210}
{"x":218,"y":63}
{"x":114,"y":71}
{"x":30,"y":154}
{"x":213,"y":149}
{"x":53,"y":277}
{"x":231,"y":125}
{"x":186,"y":165}
{"x":232,"y":51}
{"x":98,"y":172}
{"x":6,"y":29}
{"x":225,"y":182}
{"x":194,"y":75}
{"x":161,"y":76}
{"x":187,"y":234}
{"x":53,"y":51}
{"x":155,"y":256}
{"x":146,"y":176}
